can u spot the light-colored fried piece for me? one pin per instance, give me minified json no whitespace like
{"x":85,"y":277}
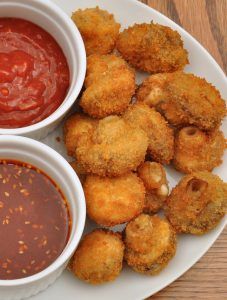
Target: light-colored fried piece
{"x":198,"y":203}
{"x":98,"y":28}
{"x":196,"y":150}
{"x":112,"y":201}
{"x":81,"y":173}
{"x":161,"y":138}
{"x":110,"y":85}
{"x":152,"y":48}
{"x":98,"y":258}
{"x":184,"y":99}
{"x":75,"y":127}
{"x":150,"y":244}
{"x":113,"y":148}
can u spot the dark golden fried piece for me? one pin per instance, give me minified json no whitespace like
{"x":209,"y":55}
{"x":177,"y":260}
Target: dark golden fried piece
{"x":112,"y":201}
{"x":152,"y":48}
{"x":196,"y":150}
{"x":98,"y":258}
{"x":184,"y":99}
{"x":98,"y":28}
{"x":110,"y":85}
{"x":153,"y":176}
{"x":81,"y":173}
{"x":161,"y":139}
{"x":113,"y":148}
{"x":75,"y":127}
{"x":150,"y":244}
{"x":197,"y":203}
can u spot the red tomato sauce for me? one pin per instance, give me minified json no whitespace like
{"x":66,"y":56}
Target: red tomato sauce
{"x":34,"y":74}
{"x":34,"y":220}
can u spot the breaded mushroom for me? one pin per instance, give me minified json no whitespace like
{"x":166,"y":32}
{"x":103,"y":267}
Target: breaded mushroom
{"x":110,"y":85}
{"x":197,"y":203}
{"x":150,"y":243}
{"x":197,"y":150}
{"x":81,"y":173}
{"x":153,"y":48}
{"x":98,"y":258}
{"x":184,"y":99}
{"x":98,"y":28}
{"x":153,"y":176}
{"x":161,"y":138}
{"x":112,"y":148}
{"x":112,"y":201}
{"x":76,"y":126}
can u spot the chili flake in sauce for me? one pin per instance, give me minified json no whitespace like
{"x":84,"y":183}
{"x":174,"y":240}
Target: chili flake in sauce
{"x":34,"y":220}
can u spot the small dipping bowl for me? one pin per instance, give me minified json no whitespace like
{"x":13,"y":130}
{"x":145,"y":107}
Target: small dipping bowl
{"x":51,"y":18}
{"x":57,"y":168}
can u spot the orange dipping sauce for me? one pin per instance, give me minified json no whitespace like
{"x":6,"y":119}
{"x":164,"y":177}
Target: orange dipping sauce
{"x":34,"y":74}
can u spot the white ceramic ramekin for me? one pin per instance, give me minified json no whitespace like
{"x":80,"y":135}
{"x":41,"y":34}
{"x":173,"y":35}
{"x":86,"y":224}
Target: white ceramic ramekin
{"x":49,"y":16}
{"x":53,"y":164}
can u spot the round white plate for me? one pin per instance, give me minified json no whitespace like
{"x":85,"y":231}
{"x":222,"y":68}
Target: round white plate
{"x":131,"y":285}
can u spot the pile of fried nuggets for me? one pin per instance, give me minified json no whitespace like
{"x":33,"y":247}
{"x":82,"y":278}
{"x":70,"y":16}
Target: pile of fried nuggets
{"x":120,"y":147}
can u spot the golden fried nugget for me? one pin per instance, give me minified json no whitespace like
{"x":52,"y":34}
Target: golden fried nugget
{"x":110,"y":85}
{"x":76,"y":126}
{"x":81,"y":173}
{"x":98,"y":258}
{"x":196,"y":150}
{"x":112,"y":201}
{"x":152,"y":48}
{"x":113,"y":148}
{"x":153,"y":176}
{"x":197,"y":203}
{"x":150,"y":244}
{"x":98,"y":28}
{"x":184,"y":99}
{"x":161,"y":138}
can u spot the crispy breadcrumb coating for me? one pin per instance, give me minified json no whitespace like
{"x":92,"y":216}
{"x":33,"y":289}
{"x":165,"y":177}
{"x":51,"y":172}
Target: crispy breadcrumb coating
{"x":161,"y":138}
{"x":98,"y":258}
{"x":98,"y":28}
{"x":184,"y":99}
{"x":150,"y":244}
{"x":112,"y":201}
{"x":196,"y":150}
{"x":153,"y":48}
{"x":81,"y":173}
{"x":110,"y":85}
{"x":197,"y":203}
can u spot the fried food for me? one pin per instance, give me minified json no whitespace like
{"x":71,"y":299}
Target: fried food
{"x":196,"y":150}
{"x":150,"y":244}
{"x":98,"y":28}
{"x":197,"y":203}
{"x":161,"y":138}
{"x":81,"y":173}
{"x":110,"y":85}
{"x":153,"y":176}
{"x":75,"y":127}
{"x":152,"y":48}
{"x":112,"y":201}
{"x":98,"y":258}
{"x":184,"y":99}
{"x":112,"y":148}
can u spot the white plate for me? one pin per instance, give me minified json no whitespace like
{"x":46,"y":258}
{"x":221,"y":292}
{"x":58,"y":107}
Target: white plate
{"x":131,"y":285}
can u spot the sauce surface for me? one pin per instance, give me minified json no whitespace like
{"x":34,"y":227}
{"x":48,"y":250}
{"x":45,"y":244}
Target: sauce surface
{"x":34,"y":74}
{"x":34,"y":220}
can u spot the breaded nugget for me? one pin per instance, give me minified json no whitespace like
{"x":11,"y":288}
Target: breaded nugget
{"x":81,"y":173}
{"x":161,"y":138}
{"x":110,"y":85}
{"x":153,"y":176}
{"x":152,"y":48}
{"x":184,"y":99}
{"x":98,"y":28}
{"x":197,"y":150}
{"x":197,"y":203}
{"x":150,"y":244}
{"x":113,"y":148}
{"x":98,"y":258}
{"x":76,"y":126}
{"x":112,"y":201}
